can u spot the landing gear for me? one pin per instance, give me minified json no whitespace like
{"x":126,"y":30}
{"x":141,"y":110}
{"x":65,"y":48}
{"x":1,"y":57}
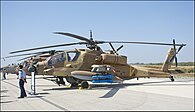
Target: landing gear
{"x":73,"y":82}
{"x":172,"y":79}
{"x":74,"y":85}
{"x":60,"y":80}
{"x":84,"y":84}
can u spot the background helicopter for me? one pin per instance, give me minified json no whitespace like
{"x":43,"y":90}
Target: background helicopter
{"x":93,"y":64}
{"x":32,"y":63}
{"x":11,"y":68}
{"x":34,"y":58}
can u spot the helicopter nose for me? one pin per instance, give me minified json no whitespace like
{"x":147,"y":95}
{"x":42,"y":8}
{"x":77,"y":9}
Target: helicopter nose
{"x":41,"y":63}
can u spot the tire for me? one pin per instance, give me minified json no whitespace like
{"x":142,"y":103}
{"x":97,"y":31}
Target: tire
{"x":73,"y":85}
{"x":84,"y":84}
{"x":172,"y":79}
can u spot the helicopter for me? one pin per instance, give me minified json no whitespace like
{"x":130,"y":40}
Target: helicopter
{"x":93,"y":64}
{"x":10,"y":68}
{"x":30,"y":63}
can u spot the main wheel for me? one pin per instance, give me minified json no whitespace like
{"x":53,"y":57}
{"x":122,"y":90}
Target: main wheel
{"x":84,"y":84}
{"x":74,"y":85}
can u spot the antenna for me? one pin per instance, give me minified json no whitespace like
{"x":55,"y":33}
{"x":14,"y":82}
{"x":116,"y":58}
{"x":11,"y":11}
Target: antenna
{"x":91,"y":35}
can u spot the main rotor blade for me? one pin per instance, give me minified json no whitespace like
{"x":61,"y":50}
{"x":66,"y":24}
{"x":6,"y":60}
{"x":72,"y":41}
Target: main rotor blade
{"x":38,"y":53}
{"x":174,"y":45}
{"x":74,"y":36}
{"x":33,"y":56}
{"x":119,"y":48}
{"x":25,"y":58}
{"x":59,"y":45}
{"x":20,"y":55}
{"x":152,"y":43}
{"x":176,"y":61}
{"x":179,"y":49}
{"x":112,"y":48}
{"x":175,"y":52}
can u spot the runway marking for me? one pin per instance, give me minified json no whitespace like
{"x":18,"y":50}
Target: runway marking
{"x":56,"y":105}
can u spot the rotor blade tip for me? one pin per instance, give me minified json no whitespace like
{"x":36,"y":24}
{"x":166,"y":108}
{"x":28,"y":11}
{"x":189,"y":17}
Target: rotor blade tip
{"x":55,"y":32}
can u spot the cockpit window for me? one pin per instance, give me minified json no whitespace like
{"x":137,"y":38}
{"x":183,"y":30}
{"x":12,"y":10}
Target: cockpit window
{"x":25,"y":64}
{"x":56,"y":59}
{"x":49,"y":61}
{"x":73,"y":56}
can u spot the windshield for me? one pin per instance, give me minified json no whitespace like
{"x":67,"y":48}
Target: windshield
{"x":73,"y":55}
{"x":59,"y":58}
{"x":25,"y":64}
{"x":56,"y":59}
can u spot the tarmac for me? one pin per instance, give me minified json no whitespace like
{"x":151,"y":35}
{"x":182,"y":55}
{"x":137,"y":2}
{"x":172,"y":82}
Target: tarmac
{"x":145,"y":94}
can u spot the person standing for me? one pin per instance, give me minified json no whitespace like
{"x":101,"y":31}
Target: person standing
{"x":22,"y":80}
{"x":4,"y":73}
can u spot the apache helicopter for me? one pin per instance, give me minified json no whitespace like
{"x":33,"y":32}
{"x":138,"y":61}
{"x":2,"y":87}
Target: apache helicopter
{"x":14,"y":67}
{"x":93,"y":64}
{"x":31,"y":63}
{"x":11,"y":68}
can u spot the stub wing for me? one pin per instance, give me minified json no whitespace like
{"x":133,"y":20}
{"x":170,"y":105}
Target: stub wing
{"x":83,"y":75}
{"x":89,"y":76}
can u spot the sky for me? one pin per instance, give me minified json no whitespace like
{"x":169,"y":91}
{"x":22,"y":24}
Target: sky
{"x":31,"y":24}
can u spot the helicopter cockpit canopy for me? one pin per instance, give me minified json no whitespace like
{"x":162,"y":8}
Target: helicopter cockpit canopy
{"x":61,"y":57}
{"x":56,"y":59}
{"x":25,"y":64}
{"x":73,"y":55}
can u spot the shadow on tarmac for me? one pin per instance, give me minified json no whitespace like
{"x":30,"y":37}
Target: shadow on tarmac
{"x":4,"y":91}
{"x":7,"y":101}
{"x":4,"y":96}
{"x":63,"y":88}
{"x":115,"y":87}
{"x":34,"y":96}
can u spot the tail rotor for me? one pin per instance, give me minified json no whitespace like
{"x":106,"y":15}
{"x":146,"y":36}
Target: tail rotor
{"x":176,"y":52}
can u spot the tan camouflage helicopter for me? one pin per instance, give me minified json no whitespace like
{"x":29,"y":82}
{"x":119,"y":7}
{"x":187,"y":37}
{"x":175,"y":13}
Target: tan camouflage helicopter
{"x":10,"y":68}
{"x":36,"y":57}
{"x":93,"y":64}
{"x":30,"y":64}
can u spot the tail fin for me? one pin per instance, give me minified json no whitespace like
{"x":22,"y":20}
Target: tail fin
{"x":168,"y":61}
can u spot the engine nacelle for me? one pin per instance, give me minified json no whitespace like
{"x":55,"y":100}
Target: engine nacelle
{"x":113,"y":59}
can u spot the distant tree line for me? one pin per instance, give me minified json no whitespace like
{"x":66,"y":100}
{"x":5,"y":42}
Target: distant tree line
{"x":179,"y":63}
{"x":186,"y":63}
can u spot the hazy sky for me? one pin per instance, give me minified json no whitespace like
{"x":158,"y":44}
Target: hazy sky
{"x":31,"y":24}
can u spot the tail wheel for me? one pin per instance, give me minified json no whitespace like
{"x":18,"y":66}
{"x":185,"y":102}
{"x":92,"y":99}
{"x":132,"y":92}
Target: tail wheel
{"x":84,"y":84}
{"x":172,"y":79}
